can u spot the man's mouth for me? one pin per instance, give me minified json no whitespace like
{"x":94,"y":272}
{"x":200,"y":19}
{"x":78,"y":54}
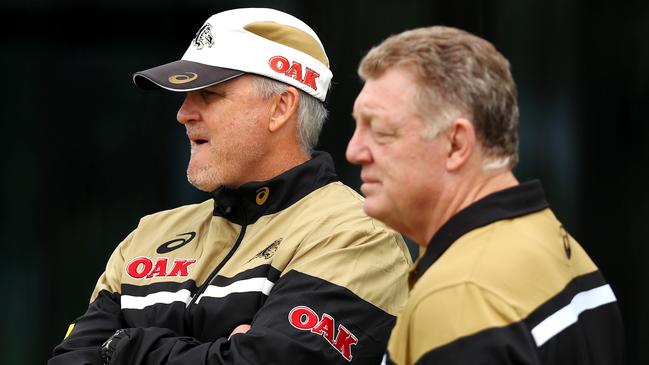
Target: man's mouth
{"x":196,"y":139}
{"x":196,"y":143}
{"x":367,"y":179}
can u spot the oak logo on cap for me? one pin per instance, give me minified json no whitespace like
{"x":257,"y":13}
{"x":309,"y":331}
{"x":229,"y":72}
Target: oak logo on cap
{"x":293,"y":69}
{"x":204,"y":37}
{"x":183,"y":78}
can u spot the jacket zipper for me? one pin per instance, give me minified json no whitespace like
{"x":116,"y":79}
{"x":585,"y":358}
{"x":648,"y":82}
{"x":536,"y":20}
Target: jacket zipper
{"x":203,"y":287}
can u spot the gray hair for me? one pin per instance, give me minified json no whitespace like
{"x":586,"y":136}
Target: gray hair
{"x":311,"y":112}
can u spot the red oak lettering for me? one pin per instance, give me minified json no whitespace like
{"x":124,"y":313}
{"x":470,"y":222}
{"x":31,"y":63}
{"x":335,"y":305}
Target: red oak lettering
{"x":293,"y":69}
{"x":344,"y":342}
{"x":304,"y":318}
{"x":142,"y":267}
{"x":279,"y":64}
{"x":325,"y":327}
{"x":180,"y":267}
{"x":134,"y":270}
{"x":160,"y":269}
{"x":309,"y":78}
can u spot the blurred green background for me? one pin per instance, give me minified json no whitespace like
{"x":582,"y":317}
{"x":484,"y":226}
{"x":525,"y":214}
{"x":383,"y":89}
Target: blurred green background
{"x":86,"y":154}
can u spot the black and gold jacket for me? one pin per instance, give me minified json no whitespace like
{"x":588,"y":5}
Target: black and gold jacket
{"x":295,"y":257}
{"x":502,"y":282}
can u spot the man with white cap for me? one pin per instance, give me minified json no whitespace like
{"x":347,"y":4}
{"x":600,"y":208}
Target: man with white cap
{"x":282,"y":265}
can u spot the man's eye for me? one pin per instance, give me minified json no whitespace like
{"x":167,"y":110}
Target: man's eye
{"x":211,"y":94}
{"x":383,"y":133}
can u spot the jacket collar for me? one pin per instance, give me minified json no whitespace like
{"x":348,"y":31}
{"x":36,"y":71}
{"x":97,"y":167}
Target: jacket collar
{"x":510,"y":203}
{"x":250,"y":201}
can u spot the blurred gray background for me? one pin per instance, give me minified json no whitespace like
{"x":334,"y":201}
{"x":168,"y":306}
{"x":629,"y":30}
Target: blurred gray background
{"x":86,"y":154}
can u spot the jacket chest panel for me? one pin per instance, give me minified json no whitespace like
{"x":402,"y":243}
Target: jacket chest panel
{"x":200,"y":287}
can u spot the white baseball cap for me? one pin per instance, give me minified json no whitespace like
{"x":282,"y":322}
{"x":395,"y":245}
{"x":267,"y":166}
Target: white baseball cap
{"x":261,"y":41}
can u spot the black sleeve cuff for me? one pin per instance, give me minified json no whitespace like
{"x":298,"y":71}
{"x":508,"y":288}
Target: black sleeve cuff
{"x":108,"y":348}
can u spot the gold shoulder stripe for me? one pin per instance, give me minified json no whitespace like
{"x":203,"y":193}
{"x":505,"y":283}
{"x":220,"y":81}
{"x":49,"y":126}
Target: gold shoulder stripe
{"x":70,"y":328}
{"x":290,"y":37}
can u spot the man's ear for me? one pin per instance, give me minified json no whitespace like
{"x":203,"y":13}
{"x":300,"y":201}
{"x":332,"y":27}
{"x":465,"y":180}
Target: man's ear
{"x":283,"y":108}
{"x":462,"y":143}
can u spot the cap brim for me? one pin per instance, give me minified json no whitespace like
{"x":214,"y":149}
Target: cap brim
{"x":183,"y":76}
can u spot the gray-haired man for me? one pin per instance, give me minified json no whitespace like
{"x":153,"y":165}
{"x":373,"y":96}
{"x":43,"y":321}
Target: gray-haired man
{"x":281,"y":266}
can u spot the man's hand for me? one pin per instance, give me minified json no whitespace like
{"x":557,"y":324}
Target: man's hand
{"x":242,"y":328}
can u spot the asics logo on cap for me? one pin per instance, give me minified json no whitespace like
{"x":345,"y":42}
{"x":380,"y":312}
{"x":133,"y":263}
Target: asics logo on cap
{"x":183,"y":78}
{"x":204,"y":37}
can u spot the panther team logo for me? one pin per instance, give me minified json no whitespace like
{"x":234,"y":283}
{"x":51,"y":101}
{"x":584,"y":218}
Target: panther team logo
{"x":204,"y":37}
{"x":305,"y":319}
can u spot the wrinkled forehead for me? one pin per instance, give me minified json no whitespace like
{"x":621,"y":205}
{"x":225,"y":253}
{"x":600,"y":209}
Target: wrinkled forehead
{"x":393,"y":90}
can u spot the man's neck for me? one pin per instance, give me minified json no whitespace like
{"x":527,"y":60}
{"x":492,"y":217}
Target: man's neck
{"x":278,"y":163}
{"x":465,"y":192}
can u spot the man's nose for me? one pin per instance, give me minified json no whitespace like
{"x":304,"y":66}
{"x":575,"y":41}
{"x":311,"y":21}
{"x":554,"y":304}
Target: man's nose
{"x":188,"y":111}
{"x":357,"y":152}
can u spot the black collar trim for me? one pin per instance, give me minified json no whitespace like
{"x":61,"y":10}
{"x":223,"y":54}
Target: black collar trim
{"x":250,"y":201}
{"x":510,"y":203}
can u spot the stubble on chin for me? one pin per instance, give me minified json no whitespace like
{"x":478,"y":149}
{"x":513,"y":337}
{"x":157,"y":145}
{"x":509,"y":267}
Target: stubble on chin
{"x":203,"y":178}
